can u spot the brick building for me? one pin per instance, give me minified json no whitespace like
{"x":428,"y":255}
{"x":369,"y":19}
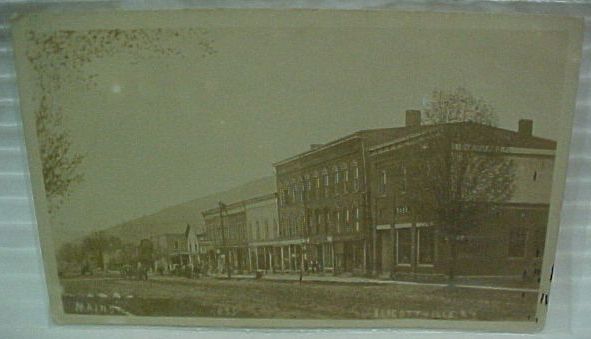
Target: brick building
{"x":324,"y":202}
{"x":508,"y":241}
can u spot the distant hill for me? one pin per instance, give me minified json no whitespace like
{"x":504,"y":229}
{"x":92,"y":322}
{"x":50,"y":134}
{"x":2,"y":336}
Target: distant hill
{"x":175,"y":218}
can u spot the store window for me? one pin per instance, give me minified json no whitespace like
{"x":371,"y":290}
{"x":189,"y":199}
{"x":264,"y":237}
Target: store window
{"x":403,"y":246}
{"x":425,"y":245}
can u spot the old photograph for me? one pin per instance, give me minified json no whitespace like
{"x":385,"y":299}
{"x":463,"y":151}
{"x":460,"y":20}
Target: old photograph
{"x":296,"y":168}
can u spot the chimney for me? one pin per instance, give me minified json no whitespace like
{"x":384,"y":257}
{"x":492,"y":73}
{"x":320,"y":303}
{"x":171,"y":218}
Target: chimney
{"x":315,"y":146}
{"x":413,"y":118}
{"x":526,"y":127}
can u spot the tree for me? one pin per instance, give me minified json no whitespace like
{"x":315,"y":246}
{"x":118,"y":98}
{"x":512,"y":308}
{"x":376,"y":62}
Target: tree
{"x":60,"y":59}
{"x":459,"y":175}
{"x":60,"y":164}
{"x":146,"y":252}
{"x":70,"y":253}
{"x":98,"y":244}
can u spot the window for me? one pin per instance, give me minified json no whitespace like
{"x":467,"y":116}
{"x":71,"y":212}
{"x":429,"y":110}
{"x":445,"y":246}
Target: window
{"x":356,"y":179}
{"x":318,"y":220}
{"x":294,"y":192}
{"x":425,"y":246}
{"x":284,"y":196}
{"x":403,"y":246}
{"x":403,"y":184}
{"x":317,"y":186}
{"x":357,"y":219}
{"x":326,"y":180}
{"x":346,"y":180}
{"x":383,"y":181}
{"x":337,"y":178}
{"x":338,"y":221}
{"x":302,"y":192}
{"x":517,"y":242}
{"x":175,"y":245}
{"x":347,"y":227}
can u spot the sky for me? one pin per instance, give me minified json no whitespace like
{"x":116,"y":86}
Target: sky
{"x":162,"y":130}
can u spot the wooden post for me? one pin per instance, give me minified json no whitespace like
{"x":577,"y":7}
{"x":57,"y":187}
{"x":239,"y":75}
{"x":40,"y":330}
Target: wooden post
{"x":334,"y":262}
{"x":364,"y":256}
{"x":289,"y":256}
{"x":249,"y":260}
{"x":282,"y":261}
{"x":256,"y":257}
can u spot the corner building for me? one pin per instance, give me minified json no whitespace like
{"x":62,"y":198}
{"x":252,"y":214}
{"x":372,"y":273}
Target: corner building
{"x":324,"y":203}
{"x":509,"y":243}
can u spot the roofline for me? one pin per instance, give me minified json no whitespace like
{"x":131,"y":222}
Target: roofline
{"x":242,"y":203}
{"x":320,"y":148}
{"x":375,"y":149}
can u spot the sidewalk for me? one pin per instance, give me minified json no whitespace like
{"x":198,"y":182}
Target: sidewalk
{"x":490,"y":284}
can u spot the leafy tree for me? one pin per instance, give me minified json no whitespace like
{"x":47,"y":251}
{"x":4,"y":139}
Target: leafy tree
{"x":60,"y":164}
{"x":146,"y":252}
{"x":59,"y":61}
{"x":459,"y":175}
{"x":99,"y":243}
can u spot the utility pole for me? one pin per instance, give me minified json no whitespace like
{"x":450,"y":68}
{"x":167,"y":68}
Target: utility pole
{"x":222,"y":207}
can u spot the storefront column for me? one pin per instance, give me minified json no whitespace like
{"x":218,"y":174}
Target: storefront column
{"x":249,"y":260}
{"x":334,"y":263}
{"x":364,"y":256}
{"x":282,"y":268}
{"x":289,"y":257}
{"x":256,"y":257}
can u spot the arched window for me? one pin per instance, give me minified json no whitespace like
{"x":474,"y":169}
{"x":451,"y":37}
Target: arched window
{"x":357,"y":219}
{"x":326,"y":182}
{"x":355,"y":174}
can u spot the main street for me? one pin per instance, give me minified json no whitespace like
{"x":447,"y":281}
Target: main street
{"x":177,"y":296}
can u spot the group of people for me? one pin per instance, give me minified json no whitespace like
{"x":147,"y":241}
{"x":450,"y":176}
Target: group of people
{"x":189,"y":270}
{"x":139,"y":271}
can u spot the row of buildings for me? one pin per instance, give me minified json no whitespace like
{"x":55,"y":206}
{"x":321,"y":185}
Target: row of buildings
{"x":371,"y":203}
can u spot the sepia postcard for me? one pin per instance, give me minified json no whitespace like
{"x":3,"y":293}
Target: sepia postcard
{"x":298,"y":168}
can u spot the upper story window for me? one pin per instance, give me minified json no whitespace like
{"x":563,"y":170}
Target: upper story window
{"x":326,"y":183}
{"x":357,"y":219}
{"x":355,"y":172}
{"x":346,"y":180}
{"x":307,"y":188}
{"x":302,"y":192}
{"x":404,"y":182}
{"x":284,"y":199}
{"x":337,"y":178}
{"x":294,"y":192}
{"x":383,"y":180}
